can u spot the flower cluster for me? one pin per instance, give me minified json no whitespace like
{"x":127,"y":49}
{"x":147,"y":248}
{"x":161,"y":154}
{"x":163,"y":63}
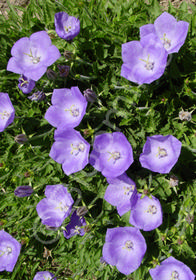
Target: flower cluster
{"x":145,"y":61}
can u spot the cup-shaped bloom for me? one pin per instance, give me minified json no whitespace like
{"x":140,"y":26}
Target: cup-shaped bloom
{"x":70,"y":149}
{"x":31,"y":56}
{"x":68,"y":108}
{"x":75,"y":227}
{"x":125,"y":248}
{"x":112,"y":154}
{"x":9,"y":251}
{"x":7,"y":111}
{"x":26,"y":84}
{"x":171,"y":33}
{"x":160,"y":153}
{"x":146,"y":213}
{"x":119,"y":193}
{"x":67,"y":27}
{"x":44,"y":275}
{"x":56,"y":206}
{"x":23,"y":191}
{"x":171,"y":269}
{"x":144,"y":61}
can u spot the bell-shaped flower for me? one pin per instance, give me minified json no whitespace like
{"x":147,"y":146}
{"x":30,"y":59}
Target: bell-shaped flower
{"x":75,"y":227}
{"x":67,"y":27}
{"x":119,"y":193}
{"x":146,"y":213}
{"x":26,"y":84}
{"x":125,"y":248}
{"x":70,"y":149}
{"x":112,"y":154}
{"x":171,"y":33}
{"x":144,"y":61}
{"x":9,"y":251}
{"x":31,"y":56}
{"x":44,"y":275}
{"x":68,"y":108}
{"x":56,"y":206}
{"x":160,"y":153}
{"x":171,"y":269}
{"x":7,"y":111}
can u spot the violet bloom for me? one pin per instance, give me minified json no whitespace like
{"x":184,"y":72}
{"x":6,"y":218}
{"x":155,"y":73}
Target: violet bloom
{"x":67,"y":27}
{"x":160,"y":153}
{"x":171,"y":269}
{"x":44,"y":275}
{"x":9,"y":251}
{"x":76,"y":226}
{"x":125,"y":248}
{"x":144,"y":61}
{"x":26,"y":84}
{"x":31,"y":56}
{"x":7,"y":111}
{"x":146,"y":213}
{"x":172,"y":33}
{"x":70,"y":149}
{"x":56,"y":206}
{"x":112,"y":154}
{"x":119,"y":193}
{"x":68,"y":108}
{"x":23,"y":191}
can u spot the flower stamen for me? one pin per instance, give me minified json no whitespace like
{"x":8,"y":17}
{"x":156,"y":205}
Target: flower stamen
{"x":74,"y":112}
{"x":4,"y":115}
{"x":149,"y":64}
{"x":35,"y":59}
{"x":128,"y":245}
{"x":78,"y":148}
{"x":152,"y":209}
{"x":114,"y":155}
{"x":174,"y":275}
{"x":166,"y":41}
{"x":161,"y":152}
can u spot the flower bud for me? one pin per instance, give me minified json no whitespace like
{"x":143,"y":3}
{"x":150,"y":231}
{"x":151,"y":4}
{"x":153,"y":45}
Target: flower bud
{"x":173,"y":181}
{"x":90,"y":95}
{"x":20,"y":139}
{"x":63,"y":70}
{"x":81,"y":211}
{"x":23,"y":191}
{"x":51,"y":74}
{"x":37,"y":96}
{"x":68,"y":55}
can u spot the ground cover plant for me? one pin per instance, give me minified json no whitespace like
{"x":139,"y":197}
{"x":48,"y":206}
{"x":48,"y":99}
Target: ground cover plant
{"x":97,"y":133}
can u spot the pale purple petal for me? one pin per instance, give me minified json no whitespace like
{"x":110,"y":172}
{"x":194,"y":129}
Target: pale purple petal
{"x":147,"y":29}
{"x":7,"y":111}
{"x":44,"y":275}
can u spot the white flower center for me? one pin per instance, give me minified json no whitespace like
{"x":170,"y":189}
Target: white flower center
{"x":4,"y":115}
{"x":166,"y":42}
{"x":73,"y":111}
{"x":62,"y":207}
{"x":114,"y":155}
{"x":174,"y":275}
{"x":34,"y":59}
{"x":67,"y":28}
{"x":128,"y":245}
{"x":161,"y":153}
{"x":149,"y":64}
{"x":77,"y":149}
{"x":7,"y":251}
{"x":128,"y":189}
{"x":152,"y":209}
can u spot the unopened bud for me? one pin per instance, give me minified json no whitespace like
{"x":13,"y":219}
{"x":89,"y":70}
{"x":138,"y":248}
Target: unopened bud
{"x":90,"y":95}
{"x":173,"y":181}
{"x":63,"y":70}
{"x":81,"y":211}
{"x":68,"y":54}
{"x":20,"y":139}
{"x":37,"y":96}
{"x":23,"y":191}
{"x":51,"y":74}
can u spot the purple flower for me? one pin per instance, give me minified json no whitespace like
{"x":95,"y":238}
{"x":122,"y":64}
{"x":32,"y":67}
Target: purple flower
{"x":144,"y":61}
{"x":146,"y":213}
{"x":7,"y":111}
{"x":70,"y":149}
{"x":160,"y":153}
{"x":171,"y":33}
{"x":26,"y":84}
{"x":44,"y":275}
{"x":112,"y":154}
{"x":68,"y":108}
{"x":31,"y":56}
{"x":9,"y":251}
{"x":37,"y":96}
{"x":67,"y":27}
{"x":56,"y":206}
{"x":75,"y":226}
{"x":23,"y":191}
{"x":119,"y":193}
{"x":171,"y":269}
{"x":125,"y":248}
